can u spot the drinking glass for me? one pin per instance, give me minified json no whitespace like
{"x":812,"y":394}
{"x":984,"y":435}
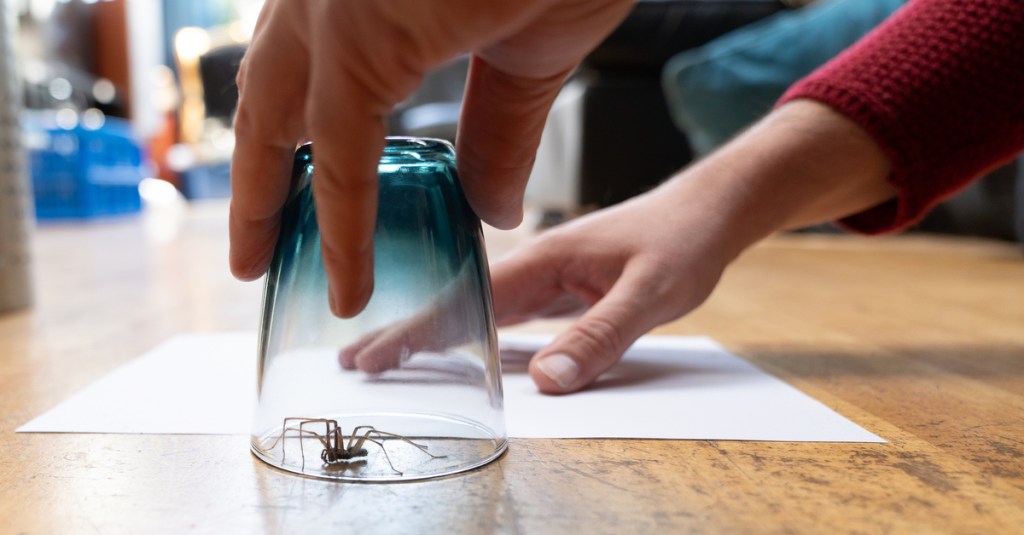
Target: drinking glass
{"x":411,"y":387}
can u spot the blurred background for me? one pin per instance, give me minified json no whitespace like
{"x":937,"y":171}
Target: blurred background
{"x":123,"y":94}
{"x":126,"y":103}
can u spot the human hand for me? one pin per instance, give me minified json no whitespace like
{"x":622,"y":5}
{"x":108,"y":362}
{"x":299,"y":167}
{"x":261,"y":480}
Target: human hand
{"x":624,"y":274}
{"x":333,"y":70}
{"x":622,"y":271}
{"x":656,"y":257}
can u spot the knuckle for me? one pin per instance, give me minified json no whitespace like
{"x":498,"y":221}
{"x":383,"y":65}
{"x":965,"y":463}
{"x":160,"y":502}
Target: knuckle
{"x":388,"y":64}
{"x":244,"y":71}
{"x":245,"y":121}
{"x":259,"y":125}
{"x":355,"y":187}
{"x":240,"y":76}
{"x":604,"y":337}
{"x":246,"y":215}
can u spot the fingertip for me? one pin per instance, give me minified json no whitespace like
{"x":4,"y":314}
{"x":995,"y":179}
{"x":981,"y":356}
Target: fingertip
{"x":248,"y":267}
{"x":347,"y":357}
{"x":350,"y":278}
{"x":497,"y":199}
{"x":372,"y":366}
{"x":377,"y":359}
{"x":349,"y":301}
{"x":246,"y":275}
{"x":506,"y":219}
{"x":252,"y":243}
{"x":556,"y":373}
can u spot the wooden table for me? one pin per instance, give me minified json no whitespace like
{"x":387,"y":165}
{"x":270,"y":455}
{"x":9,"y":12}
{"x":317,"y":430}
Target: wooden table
{"x":920,"y":340}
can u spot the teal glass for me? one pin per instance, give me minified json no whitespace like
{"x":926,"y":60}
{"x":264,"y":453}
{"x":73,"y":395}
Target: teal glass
{"x":411,"y":387}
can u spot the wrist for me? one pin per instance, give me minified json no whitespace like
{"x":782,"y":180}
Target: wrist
{"x":802,"y":164}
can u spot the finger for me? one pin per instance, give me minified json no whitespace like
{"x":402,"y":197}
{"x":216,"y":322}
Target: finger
{"x":389,"y":347}
{"x":502,"y":120}
{"x":522,"y":282}
{"x":378,"y":351}
{"x":345,"y":187}
{"x":526,"y":285}
{"x":346,"y":121}
{"x":351,"y":92}
{"x":596,"y":341}
{"x":268,"y":121}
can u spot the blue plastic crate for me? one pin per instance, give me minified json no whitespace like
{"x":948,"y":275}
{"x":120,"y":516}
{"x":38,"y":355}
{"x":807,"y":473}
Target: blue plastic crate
{"x":206,"y":181}
{"x":84,"y":173}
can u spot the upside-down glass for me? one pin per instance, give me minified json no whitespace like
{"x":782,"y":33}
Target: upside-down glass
{"x":416,"y":373}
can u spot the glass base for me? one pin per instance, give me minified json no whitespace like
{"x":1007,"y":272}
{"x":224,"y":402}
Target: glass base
{"x":382,"y":447}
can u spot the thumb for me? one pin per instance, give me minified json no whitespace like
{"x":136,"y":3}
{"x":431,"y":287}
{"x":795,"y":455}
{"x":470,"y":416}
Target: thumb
{"x":596,"y":341}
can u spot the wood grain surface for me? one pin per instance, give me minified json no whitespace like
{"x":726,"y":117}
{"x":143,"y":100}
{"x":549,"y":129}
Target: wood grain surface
{"x":918,"y":339}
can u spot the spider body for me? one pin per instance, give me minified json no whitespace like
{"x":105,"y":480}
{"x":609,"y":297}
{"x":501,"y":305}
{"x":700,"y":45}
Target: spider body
{"x":336,"y":450}
{"x":337,"y":455}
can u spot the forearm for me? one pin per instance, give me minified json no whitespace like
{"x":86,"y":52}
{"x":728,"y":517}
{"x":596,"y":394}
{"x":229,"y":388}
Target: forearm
{"x":802,"y":164}
{"x":938,"y":87}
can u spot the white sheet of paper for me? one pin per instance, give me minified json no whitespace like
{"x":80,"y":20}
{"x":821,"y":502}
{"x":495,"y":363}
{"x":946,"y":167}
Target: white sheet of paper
{"x":666,"y":387}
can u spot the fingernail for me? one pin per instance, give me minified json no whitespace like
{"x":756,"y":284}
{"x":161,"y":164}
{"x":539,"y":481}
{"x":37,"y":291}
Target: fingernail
{"x":560,"y":369}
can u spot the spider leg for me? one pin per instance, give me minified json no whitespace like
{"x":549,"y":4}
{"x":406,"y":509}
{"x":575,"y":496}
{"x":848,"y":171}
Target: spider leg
{"x":284,"y":431}
{"x":366,"y":437}
{"x":354,"y":442}
{"x":420,"y":447}
{"x":325,"y":440}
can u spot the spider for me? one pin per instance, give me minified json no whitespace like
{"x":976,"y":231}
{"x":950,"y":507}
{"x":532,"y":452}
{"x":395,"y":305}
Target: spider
{"x":336,"y":450}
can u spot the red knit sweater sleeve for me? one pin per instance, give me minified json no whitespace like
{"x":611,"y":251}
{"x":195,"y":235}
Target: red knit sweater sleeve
{"x":940,"y":87}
